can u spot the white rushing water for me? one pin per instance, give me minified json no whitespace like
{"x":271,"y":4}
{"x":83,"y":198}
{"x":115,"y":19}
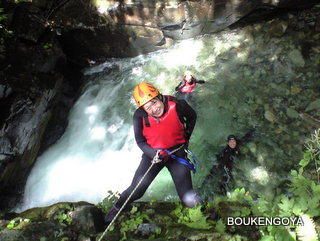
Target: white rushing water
{"x":98,"y":153}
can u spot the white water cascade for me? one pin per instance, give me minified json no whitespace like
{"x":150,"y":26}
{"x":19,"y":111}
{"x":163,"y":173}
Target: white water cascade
{"x":98,"y":153}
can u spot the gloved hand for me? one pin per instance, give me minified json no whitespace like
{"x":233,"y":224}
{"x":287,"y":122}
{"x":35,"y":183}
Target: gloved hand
{"x":164,"y":155}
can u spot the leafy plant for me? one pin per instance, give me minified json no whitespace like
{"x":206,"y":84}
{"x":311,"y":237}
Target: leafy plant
{"x":63,"y":217}
{"x":107,"y":202}
{"x":18,"y":223}
{"x":2,"y":16}
{"x":307,"y":232}
{"x":132,"y":224}
{"x":48,"y":46}
{"x":13,"y":223}
{"x":192,"y":217}
{"x":220,"y":227}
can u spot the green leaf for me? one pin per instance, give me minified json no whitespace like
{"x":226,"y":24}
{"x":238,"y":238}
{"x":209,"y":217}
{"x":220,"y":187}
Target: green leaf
{"x":315,"y":188}
{"x":245,"y":211}
{"x":313,"y":212}
{"x":220,"y":227}
{"x":196,"y":219}
{"x":286,"y":205}
{"x":267,"y":238}
{"x":294,"y":173}
{"x":307,"y":155}
{"x":304,"y":162}
{"x":11,"y":224}
{"x":296,"y":209}
{"x":133,"y":210}
{"x":158,"y":230}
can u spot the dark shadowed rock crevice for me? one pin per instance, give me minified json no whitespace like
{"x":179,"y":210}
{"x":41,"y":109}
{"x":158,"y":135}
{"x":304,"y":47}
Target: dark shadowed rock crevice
{"x":33,"y":79}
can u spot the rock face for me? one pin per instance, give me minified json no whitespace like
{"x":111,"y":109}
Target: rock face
{"x":52,"y":40}
{"x":33,"y":82}
{"x":100,"y":30}
{"x":156,"y":221}
{"x":77,"y":221}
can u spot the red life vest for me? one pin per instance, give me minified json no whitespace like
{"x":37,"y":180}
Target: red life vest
{"x":188,"y":88}
{"x":166,"y":131}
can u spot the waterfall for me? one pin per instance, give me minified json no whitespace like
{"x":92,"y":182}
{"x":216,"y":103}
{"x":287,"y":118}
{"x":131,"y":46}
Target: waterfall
{"x":98,"y":153}
{"x":251,"y":80}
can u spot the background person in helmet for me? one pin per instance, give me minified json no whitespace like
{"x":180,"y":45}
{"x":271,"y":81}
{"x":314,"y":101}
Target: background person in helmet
{"x":160,"y":122}
{"x":226,"y":160}
{"x":187,"y":86}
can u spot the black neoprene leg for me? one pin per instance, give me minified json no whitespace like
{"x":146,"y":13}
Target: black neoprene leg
{"x":181,"y":177}
{"x":143,"y":167}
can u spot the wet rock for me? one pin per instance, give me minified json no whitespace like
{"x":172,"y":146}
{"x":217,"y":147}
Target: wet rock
{"x":13,"y":235}
{"x":3,"y":223}
{"x":74,"y":14}
{"x":277,"y":27}
{"x":296,"y":58}
{"x":5,"y":90}
{"x":6,"y":150}
{"x":146,"y":39}
{"x":104,"y":68}
{"x":313,"y":105}
{"x":269,"y":116}
{"x":21,"y":135}
{"x":84,"y":238}
{"x":87,"y":218}
{"x":146,"y":229}
{"x":204,"y":236}
{"x":292,"y":113}
{"x":75,"y":221}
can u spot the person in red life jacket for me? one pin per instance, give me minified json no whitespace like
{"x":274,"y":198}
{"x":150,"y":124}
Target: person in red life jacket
{"x":162,"y":124}
{"x":187,"y":86}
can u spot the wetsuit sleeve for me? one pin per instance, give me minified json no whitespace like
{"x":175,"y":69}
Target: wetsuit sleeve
{"x":221,"y":157}
{"x":180,"y":85}
{"x":200,"y":81}
{"x":247,"y":137}
{"x":140,"y":139}
{"x":187,"y":115}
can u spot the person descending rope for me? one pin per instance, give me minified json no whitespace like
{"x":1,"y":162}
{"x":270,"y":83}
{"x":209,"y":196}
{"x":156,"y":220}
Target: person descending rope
{"x":162,"y":126}
{"x":226,"y":160}
{"x":187,"y":86}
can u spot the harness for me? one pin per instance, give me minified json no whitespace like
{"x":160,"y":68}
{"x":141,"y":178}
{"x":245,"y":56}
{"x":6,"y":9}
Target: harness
{"x":191,"y":164}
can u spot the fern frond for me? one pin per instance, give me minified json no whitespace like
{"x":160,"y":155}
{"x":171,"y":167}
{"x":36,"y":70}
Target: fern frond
{"x":307,"y":231}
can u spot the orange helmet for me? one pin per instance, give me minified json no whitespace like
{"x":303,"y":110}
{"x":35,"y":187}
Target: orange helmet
{"x":144,"y":92}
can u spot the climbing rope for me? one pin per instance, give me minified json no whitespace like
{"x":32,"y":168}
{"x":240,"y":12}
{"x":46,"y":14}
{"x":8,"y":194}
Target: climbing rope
{"x":154,"y":161}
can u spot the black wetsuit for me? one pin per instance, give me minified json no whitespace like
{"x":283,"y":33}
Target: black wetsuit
{"x":183,"y":95}
{"x":179,"y":172}
{"x":226,"y":160}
